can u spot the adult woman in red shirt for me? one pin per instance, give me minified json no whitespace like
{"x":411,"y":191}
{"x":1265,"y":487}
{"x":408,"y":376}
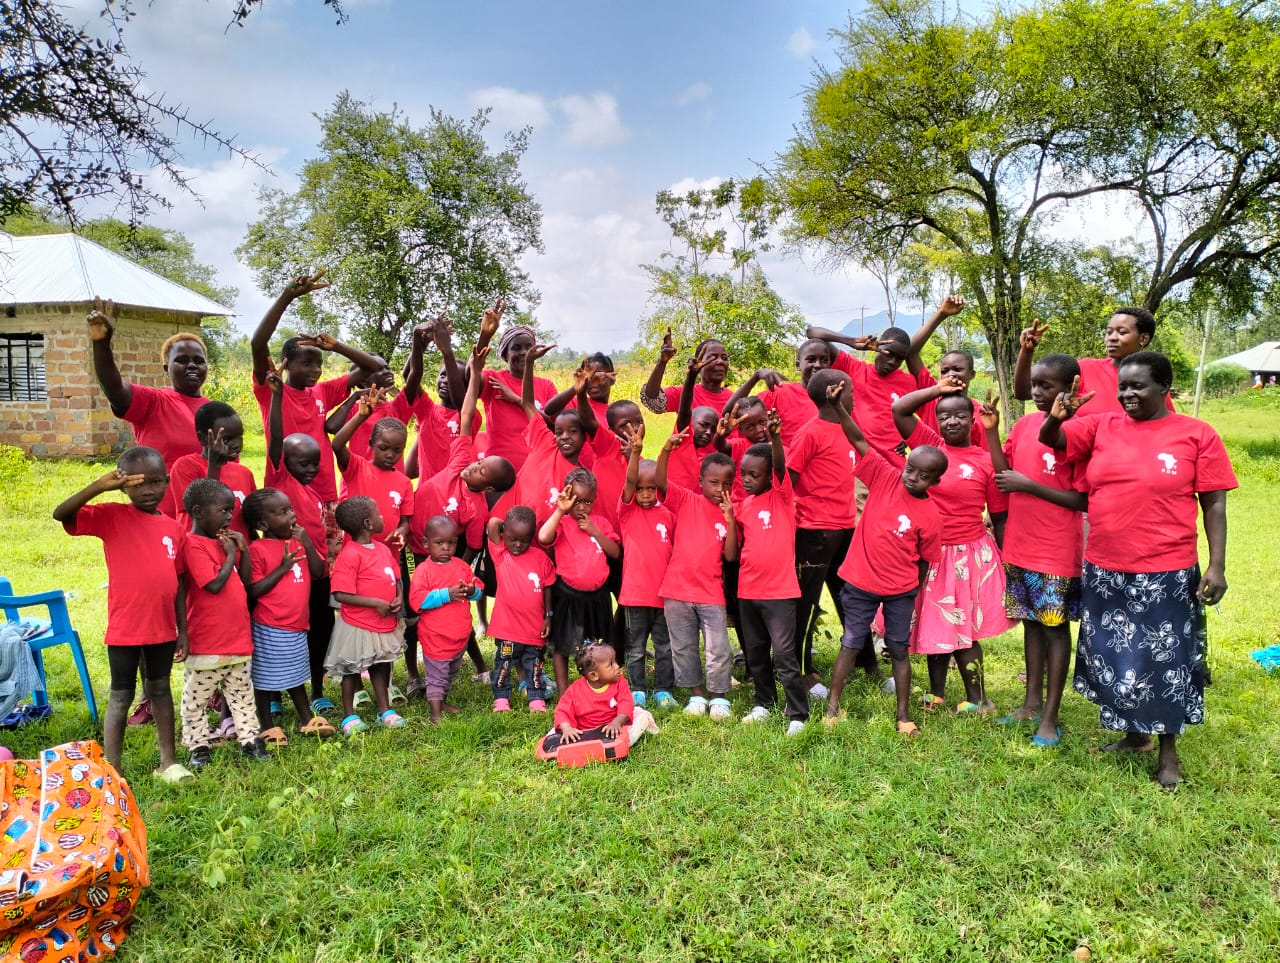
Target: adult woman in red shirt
{"x":1142,"y":647}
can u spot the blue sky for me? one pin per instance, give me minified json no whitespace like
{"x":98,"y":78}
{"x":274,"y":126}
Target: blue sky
{"x":624,"y":99}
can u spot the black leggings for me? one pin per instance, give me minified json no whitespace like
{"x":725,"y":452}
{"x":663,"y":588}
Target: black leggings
{"x":156,"y":661}
{"x":319,"y":633}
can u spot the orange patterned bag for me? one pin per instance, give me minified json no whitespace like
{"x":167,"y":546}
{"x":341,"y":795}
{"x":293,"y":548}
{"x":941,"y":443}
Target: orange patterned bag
{"x":73,"y":856}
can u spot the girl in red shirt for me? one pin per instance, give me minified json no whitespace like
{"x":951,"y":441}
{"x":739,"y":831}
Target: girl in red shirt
{"x":582,"y":548}
{"x":367,"y":634}
{"x":506,"y":419}
{"x":598,"y":704}
{"x":1043,"y":545}
{"x":283,"y":560}
{"x":963,"y":597}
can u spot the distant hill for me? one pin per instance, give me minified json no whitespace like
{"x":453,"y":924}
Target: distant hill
{"x":909,"y":321}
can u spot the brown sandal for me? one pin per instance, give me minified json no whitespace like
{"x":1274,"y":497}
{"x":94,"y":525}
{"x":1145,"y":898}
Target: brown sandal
{"x":274,"y":737}
{"x":909,"y":729}
{"x":318,"y":726}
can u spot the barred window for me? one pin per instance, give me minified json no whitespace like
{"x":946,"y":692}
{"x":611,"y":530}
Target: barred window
{"x":22,"y":367}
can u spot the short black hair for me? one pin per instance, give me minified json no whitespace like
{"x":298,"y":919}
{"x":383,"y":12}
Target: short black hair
{"x":137,"y":455}
{"x":967,"y":355}
{"x":202,"y":492}
{"x":1157,"y":364}
{"x":824,"y":379}
{"x":824,"y":345}
{"x":1145,"y":320}
{"x":504,"y":474}
{"x":583,"y":477}
{"x":1065,"y":368}
{"x":895,"y":334}
{"x":520,"y":514}
{"x":616,"y":409}
{"x":351,"y":513}
{"x":717,"y":459}
{"x":210,"y":413}
{"x":761,"y":449}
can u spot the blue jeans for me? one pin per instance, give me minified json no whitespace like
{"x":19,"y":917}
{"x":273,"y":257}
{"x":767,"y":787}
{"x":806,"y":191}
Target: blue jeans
{"x":530,"y":658}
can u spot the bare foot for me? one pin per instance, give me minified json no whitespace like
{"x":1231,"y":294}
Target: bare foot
{"x":1025,"y":713}
{"x":1132,"y":742}
{"x":451,"y":709}
{"x":1170,"y":773}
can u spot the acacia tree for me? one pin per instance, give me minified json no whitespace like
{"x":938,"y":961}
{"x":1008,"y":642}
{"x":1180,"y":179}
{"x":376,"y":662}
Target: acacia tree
{"x":408,"y":221}
{"x":975,"y":135}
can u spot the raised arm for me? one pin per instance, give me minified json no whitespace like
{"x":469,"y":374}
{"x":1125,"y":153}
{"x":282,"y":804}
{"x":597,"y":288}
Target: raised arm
{"x":1028,"y":341}
{"x":905,"y":408}
{"x":586,"y":414}
{"x":745,"y":389}
{"x":851,"y":429}
{"x":341,"y":414}
{"x":1064,"y":406}
{"x":368,"y":401}
{"x":564,"y":504}
{"x":861,"y":343}
{"x":774,"y":423}
{"x":467,"y":413}
{"x":991,"y":433}
{"x":442,"y":333}
{"x":413,"y":369}
{"x":651,"y":393}
{"x":664,"y":457}
{"x":275,"y":417}
{"x":527,"y":399}
{"x":113,"y":481}
{"x":635,"y":445}
{"x":260,"y":342}
{"x":489,"y":323}
{"x":367,"y":363}
{"x":102,"y":327}
{"x":684,"y":412}
{"x":952,"y":304}
{"x":730,"y":550}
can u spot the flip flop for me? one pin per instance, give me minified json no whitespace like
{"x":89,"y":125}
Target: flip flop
{"x":274,"y":737}
{"x":318,"y":726}
{"x":396,"y":697}
{"x":931,"y":702}
{"x":1015,"y":721}
{"x":322,"y":705}
{"x":175,"y":774}
{"x":226,"y":731}
{"x":353,"y":724}
{"x":909,"y":729}
{"x":417,"y":688}
{"x":1044,"y":742}
{"x":362,"y":699}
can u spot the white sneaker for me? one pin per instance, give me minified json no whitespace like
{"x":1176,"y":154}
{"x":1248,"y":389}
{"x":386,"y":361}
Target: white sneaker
{"x":890,"y":686}
{"x":758,"y":714}
{"x":721,"y":710}
{"x":819,"y":691}
{"x":697,"y":706}
{"x":795,"y":727}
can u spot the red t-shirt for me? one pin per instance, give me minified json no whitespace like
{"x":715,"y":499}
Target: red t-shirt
{"x":966,"y":490}
{"x":580,"y":561}
{"x":1102,"y":376}
{"x":507,"y":422}
{"x":584,"y":708}
{"x":873,"y":398}
{"x":1038,"y":536}
{"x":685,"y":464}
{"x":794,"y":406}
{"x":540,"y":478}
{"x":305,"y":502}
{"x":701,"y":397}
{"x":610,"y":468}
{"x":600,"y":408}
{"x":445,"y":493}
{"x":165,"y":420}
{"x":217,"y":622}
{"x":367,"y":569}
{"x":143,"y":565}
{"x":443,"y":631}
{"x":397,"y":408}
{"x":190,"y":467}
{"x":697,"y":560}
{"x":391,"y":489}
{"x":518,"y":611}
{"x":768,"y":550}
{"x":647,"y":537}
{"x":1143,"y":478}
{"x":303,"y":411}
{"x":824,"y":461}
{"x":897,"y":531}
{"x":438,"y":426}
{"x":286,"y":606}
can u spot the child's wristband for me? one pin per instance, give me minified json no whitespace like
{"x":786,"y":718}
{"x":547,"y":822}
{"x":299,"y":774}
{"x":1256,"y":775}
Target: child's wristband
{"x":476,"y":593}
{"x":434,"y":599}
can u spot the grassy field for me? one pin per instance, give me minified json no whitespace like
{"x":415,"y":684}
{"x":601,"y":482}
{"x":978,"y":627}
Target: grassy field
{"x":714,"y":842}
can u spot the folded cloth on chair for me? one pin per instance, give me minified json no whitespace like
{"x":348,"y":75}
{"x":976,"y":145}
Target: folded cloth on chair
{"x":18,"y":673}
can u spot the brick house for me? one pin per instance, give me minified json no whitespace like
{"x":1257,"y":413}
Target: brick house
{"x":50,"y":402}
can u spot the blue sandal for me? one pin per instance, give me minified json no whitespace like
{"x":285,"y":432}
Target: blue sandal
{"x":1044,"y":742}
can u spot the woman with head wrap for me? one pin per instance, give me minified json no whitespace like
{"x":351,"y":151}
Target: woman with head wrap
{"x":507,"y":421}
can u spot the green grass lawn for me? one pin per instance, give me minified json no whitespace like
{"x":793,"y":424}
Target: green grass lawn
{"x":713,"y":842}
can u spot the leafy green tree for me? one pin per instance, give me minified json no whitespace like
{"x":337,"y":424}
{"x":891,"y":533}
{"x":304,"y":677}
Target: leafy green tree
{"x":408,"y":221}
{"x":978,"y":133}
{"x":709,"y":284}
{"x":164,"y":251}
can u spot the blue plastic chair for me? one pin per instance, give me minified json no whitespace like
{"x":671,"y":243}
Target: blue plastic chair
{"x":56,"y":630}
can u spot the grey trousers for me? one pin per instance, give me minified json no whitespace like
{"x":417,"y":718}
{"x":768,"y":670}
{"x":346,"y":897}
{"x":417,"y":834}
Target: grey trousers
{"x":684,"y":620}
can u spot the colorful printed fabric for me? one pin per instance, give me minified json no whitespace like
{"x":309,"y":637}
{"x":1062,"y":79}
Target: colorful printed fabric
{"x":1142,"y":649}
{"x":73,"y":856}
{"x":1036,"y":597}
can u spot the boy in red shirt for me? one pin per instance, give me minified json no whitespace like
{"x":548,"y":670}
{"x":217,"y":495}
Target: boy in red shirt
{"x":692,"y":591}
{"x":648,"y":533}
{"x":221,"y":435}
{"x":900,"y":536}
{"x":216,"y":569}
{"x":582,"y":550}
{"x":306,"y":402}
{"x":767,"y":585}
{"x":442,"y":589}
{"x":145,"y":604}
{"x":378,"y":475}
{"x":521,"y":621}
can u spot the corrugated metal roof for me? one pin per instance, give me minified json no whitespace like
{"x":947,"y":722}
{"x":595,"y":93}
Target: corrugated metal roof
{"x":66,"y":268}
{"x":1261,"y":357}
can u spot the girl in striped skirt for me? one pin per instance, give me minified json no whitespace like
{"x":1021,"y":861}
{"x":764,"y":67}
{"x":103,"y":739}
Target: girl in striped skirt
{"x":283,"y":562}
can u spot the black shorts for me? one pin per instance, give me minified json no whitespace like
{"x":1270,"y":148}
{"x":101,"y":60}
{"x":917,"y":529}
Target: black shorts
{"x":860,"y":608}
{"x":156,"y":661}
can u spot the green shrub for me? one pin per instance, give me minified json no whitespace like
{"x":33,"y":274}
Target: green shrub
{"x":1223,"y":380}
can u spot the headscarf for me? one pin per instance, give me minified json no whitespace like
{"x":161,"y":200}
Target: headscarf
{"x":513,"y":332}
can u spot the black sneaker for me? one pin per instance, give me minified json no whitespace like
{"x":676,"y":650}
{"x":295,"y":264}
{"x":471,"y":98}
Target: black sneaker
{"x":255,"y":749}
{"x":200,"y":757}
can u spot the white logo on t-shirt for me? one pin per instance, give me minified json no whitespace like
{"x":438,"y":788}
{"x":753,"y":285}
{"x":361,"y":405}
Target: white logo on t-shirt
{"x":853,"y":459}
{"x":239,"y":496}
{"x":721,"y":532}
{"x":319,"y":406}
{"x":390,"y":573}
{"x":553,"y":497}
{"x":538,"y":405}
{"x":297,"y":572}
{"x":537,"y":582}
{"x":661,"y":530}
{"x":395,"y":498}
{"x":904,"y":525}
{"x":167,"y":542}
{"x":451,"y":505}
{"x":1050,"y":463}
{"x":1170,"y":463}
{"x":765,"y":519}
{"x":966,"y":471}
{"x":452,"y":425}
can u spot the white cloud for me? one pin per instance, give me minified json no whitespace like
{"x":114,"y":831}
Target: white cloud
{"x":511,"y":109}
{"x":699,"y":91}
{"x":593,"y":121}
{"x":801,"y":43}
